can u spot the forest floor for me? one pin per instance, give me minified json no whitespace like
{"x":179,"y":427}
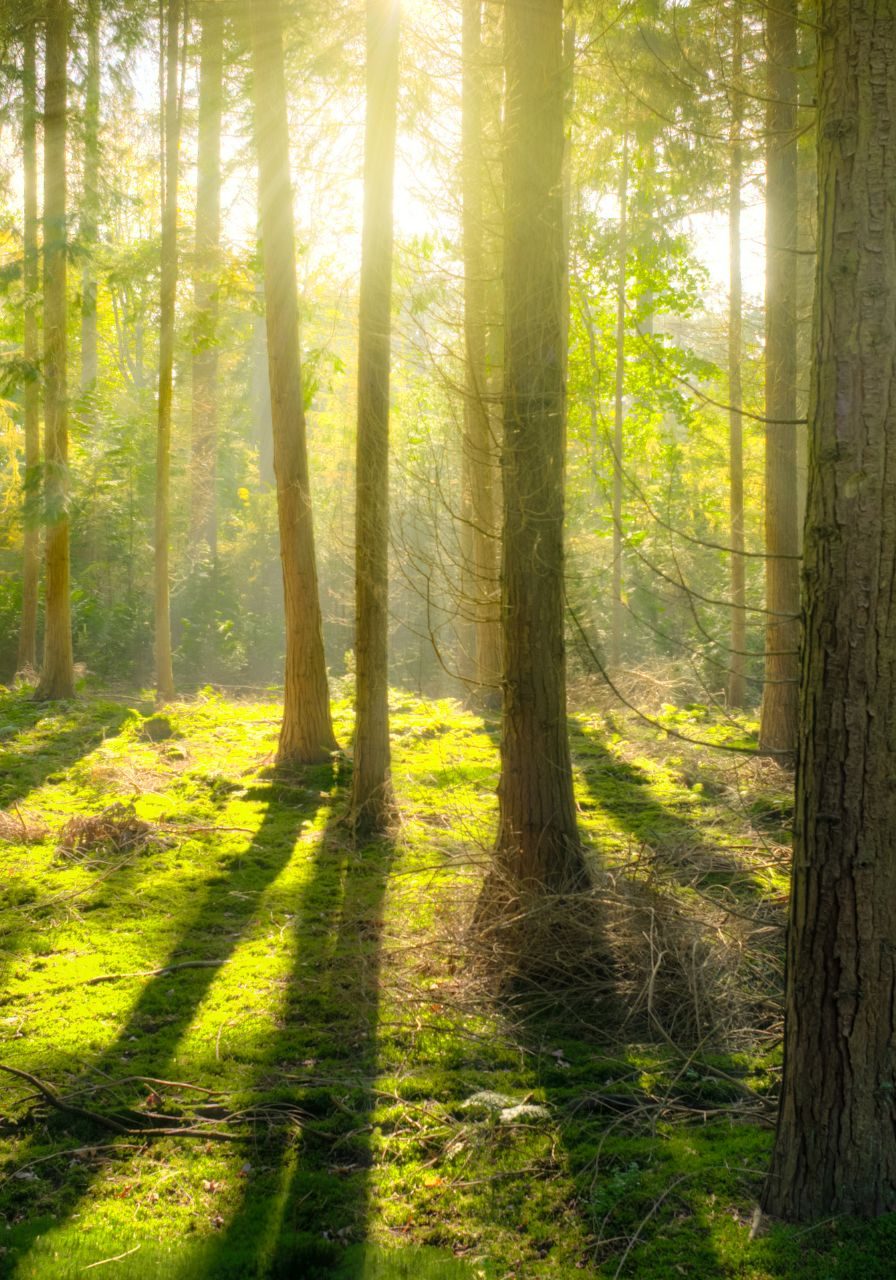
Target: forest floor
{"x":190,"y":943}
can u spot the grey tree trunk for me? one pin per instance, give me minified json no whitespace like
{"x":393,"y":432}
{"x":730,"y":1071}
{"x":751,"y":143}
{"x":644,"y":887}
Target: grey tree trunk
{"x":372,"y":801}
{"x":835,"y":1148}
{"x":306,"y":734}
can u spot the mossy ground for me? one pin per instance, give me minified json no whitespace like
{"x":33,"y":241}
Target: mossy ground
{"x":335,"y":1012}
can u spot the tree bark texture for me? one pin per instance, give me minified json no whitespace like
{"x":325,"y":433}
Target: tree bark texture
{"x":203,"y":460}
{"x":538,"y":847}
{"x":57,"y":675}
{"x":780,"y":696}
{"x":90,"y":201}
{"x":737,"y":685}
{"x":27,"y":654}
{"x":372,"y":797}
{"x":167,"y":301}
{"x":617,"y":633}
{"x":835,"y":1149}
{"x":480,"y":480}
{"x":306,"y":735}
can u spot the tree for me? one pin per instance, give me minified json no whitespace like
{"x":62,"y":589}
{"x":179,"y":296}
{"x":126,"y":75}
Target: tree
{"x":167,"y":301}
{"x":480,"y":515}
{"x":835,"y":1148}
{"x":306,"y":735}
{"x":27,"y":654}
{"x":538,"y":847}
{"x":90,"y":202}
{"x":737,"y":691}
{"x":203,"y":513}
{"x":372,"y":799}
{"x":780,"y":696}
{"x":57,"y":674}
{"x":618,"y":625}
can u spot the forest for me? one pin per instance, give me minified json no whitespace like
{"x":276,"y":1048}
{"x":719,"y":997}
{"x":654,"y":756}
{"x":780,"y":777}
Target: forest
{"x":447,"y":639}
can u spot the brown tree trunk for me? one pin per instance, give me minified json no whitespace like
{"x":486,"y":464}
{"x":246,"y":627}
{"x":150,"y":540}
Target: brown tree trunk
{"x":27,"y":657}
{"x":168,"y":297}
{"x":57,"y":675}
{"x":780,"y":697}
{"x":481,"y":587}
{"x":372,"y":798}
{"x":203,"y":462}
{"x":618,"y":623}
{"x":538,"y":846}
{"x":90,"y":206}
{"x":737,"y":688}
{"x":835,"y":1149}
{"x":306,"y":735}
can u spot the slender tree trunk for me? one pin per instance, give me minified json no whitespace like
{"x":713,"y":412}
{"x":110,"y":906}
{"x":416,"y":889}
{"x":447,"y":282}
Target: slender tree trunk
{"x":90,"y":206}
{"x":168,"y":298}
{"x":618,"y":622}
{"x":27,"y":658}
{"x":372,"y":798}
{"x":306,"y":735}
{"x":482,"y":588}
{"x":737,"y":685}
{"x":203,"y":462}
{"x":835,"y":1149}
{"x":57,"y":676}
{"x":538,"y":847}
{"x":780,"y":698}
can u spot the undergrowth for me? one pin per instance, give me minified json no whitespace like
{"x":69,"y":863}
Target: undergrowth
{"x":191,"y":943}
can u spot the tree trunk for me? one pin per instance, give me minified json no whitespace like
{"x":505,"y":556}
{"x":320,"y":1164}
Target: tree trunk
{"x":57,"y":676}
{"x":835,"y":1149}
{"x":27,"y":658}
{"x":618,"y":623}
{"x":90,"y":206}
{"x":737,"y":688}
{"x":372,"y":798}
{"x":168,"y":297}
{"x":780,"y":697}
{"x":203,"y":462}
{"x":306,"y":735}
{"x":538,"y":847}
{"x":481,"y":589}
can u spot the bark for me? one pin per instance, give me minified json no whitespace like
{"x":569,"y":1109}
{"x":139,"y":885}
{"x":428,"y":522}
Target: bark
{"x":90,"y":205}
{"x":780,"y":697}
{"x":618,"y":624}
{"x":481,"y":588}
{"x":306,"y":735}
{"x":737,"y":689}
{"x":835,"y":1148}
{"x":27,"y":656}
{"x":167,"y":301}
{"x":372,"y":801}
{"x":57,"y":676}
{"x":203,"y":462}
{"x":538,"y":847}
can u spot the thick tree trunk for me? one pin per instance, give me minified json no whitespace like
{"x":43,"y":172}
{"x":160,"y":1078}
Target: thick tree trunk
{"x":835,"y":1150}
{"x":168,"y":297}
{"x":480,"y":476}
{"x":57,"y":676}
{"x":27,"y":656}
{"x":538,"y":847}
{"x":372,"y":798}
{"x":617,"y":633}
{"x":306,"y":735}
{"x":203,"y":462}
{"x":737,"y":687}
{"x":780,"y":697}
{"x":90,"y":201}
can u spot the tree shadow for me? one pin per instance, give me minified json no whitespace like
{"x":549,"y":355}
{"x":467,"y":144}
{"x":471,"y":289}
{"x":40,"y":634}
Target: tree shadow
{"x":28,"y":759}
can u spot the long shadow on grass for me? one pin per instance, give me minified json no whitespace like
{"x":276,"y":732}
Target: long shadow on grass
{"x":147,"y":1042}
{"x":677,"y":845}
{"x":29,"y":758}
{"x":300,"y":1217}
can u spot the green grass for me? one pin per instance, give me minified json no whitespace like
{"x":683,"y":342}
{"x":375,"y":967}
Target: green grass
{"x":330,"y":1002}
